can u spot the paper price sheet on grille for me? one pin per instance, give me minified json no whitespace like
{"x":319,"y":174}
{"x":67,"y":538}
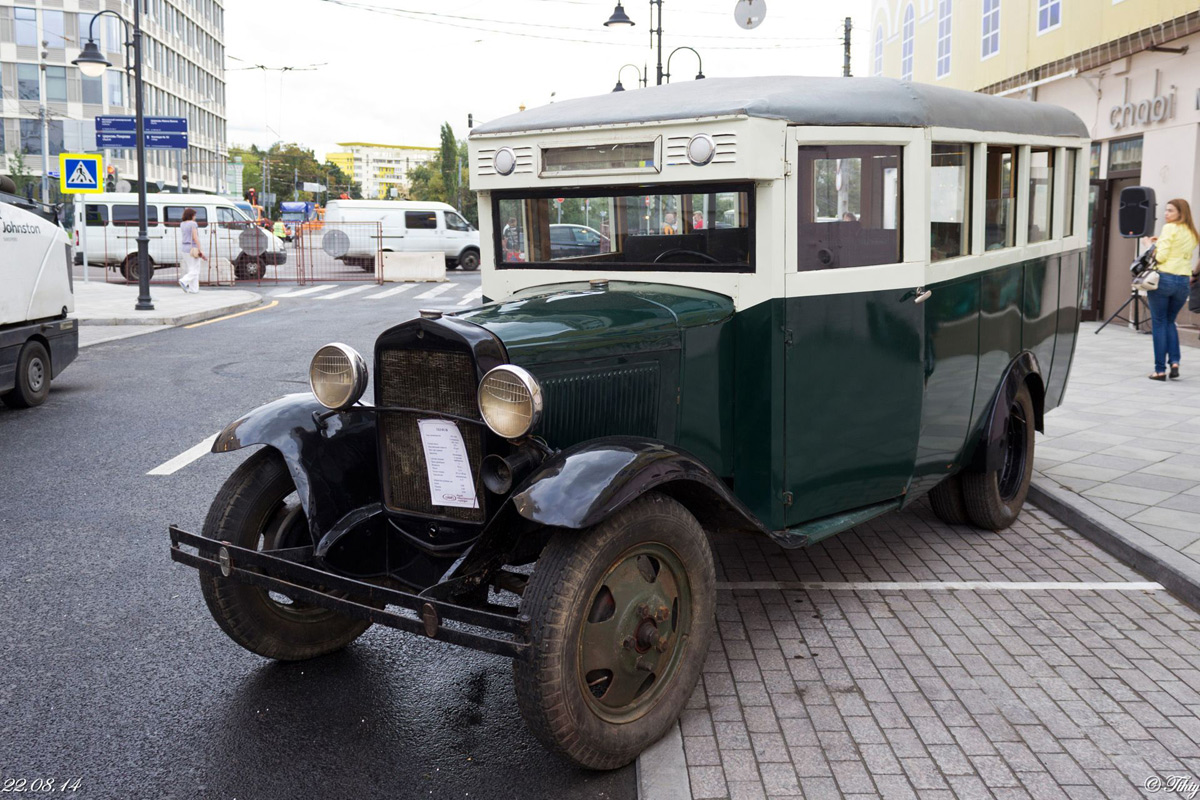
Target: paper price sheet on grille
{"x":450,"y":480}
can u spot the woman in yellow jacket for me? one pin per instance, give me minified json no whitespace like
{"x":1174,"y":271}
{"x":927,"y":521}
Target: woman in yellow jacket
{"x":1173,"y":252}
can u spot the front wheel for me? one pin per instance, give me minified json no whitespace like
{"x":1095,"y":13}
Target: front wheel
{"x":257,"y":509}
{"x":621,"y":619}
{"x":995,"y":498}
{"x":469,"y":260}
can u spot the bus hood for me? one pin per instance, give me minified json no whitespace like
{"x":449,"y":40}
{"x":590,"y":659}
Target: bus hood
{"x":580,"y":320}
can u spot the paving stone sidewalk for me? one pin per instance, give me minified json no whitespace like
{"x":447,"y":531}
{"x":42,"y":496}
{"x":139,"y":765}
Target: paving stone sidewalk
{"x":1087,"y":686}
{"x":1128,"y":444}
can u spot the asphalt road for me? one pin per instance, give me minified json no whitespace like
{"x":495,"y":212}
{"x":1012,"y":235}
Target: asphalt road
{"x":113,"y":671}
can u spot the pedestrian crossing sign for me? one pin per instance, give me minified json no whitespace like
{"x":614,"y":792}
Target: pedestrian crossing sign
{"x":79,"y":173}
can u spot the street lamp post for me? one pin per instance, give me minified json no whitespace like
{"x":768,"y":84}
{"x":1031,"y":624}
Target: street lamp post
{"x":640,"y":73}
{"x":620,"y":19}
{"x":699,"y":64}
{"x":93,"y":64}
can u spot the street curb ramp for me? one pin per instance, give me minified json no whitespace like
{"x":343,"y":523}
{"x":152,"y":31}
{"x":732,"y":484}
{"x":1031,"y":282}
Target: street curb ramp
{"x":178,"y":319}
{"x":1178,"y":574}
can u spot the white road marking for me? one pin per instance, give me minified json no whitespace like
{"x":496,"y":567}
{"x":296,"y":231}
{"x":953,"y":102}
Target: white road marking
{"x":441,"y":288}
{"x":401,"y":289}
{"x":309,"y":290}
{"x":344,"y":292}
{"x":471,"y":297}
{"x":945,"y":586}
{"x":183,"y":459}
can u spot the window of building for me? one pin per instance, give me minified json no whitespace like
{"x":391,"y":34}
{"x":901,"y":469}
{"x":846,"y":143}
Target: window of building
{"x":128,"y":215}
{"x":1000,"y":212}
{"x":93,"y":90}
{"x":56,"y":84}
{"x":1041,"y":193}
{"x":25,"y":26}
{"x":31,"y":136}
{"x":1094,"y":161}
{"x":943,"y":42}
{"x":27,"y":82}
{"x":112,"y":34}
{"x":1069,"y":168}
{"x":1049,"y":15}
{"x":420,"y":220}
{"x":878,"y":65}
{"x":116,"y":88}
{"x":950,"y":201}
{"x":907,"y":34}
{"x":96,"y":216}
{"x":849,"y":206}
{"x":53,"y":31}
{"x":173,"y":216}
{"x":991,"y":28}
{"x":1125,"y":158}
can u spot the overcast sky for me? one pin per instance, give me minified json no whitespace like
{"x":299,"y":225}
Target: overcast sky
{"x":395,"y":73}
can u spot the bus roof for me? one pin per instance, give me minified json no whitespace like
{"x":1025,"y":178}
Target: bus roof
{"x":802,"y":101}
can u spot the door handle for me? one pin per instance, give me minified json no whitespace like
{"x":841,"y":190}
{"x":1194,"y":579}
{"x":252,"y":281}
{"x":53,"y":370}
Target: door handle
{"x":923,"y":294}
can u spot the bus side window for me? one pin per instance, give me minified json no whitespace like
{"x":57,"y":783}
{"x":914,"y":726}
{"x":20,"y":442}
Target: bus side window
{"x":128,"y":216}
{"x":96,"y":216}
{"x":849,"y":205}
{"x":173,"y":215}
{"x":1000,"y":229}
{"x":950,"y":201}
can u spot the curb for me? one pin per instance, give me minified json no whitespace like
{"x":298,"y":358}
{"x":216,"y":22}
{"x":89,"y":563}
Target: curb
{"x":1178,"y":573}
{"x":662,"y":769}
{"x":176,"y":321}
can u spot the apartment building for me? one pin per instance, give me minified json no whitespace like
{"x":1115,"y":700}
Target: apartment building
{"x":1130,"y":69}
{"x":184,"y":52}
{"x":381,"y":169}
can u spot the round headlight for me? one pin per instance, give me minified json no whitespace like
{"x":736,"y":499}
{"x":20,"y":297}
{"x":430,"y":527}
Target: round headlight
{"x":337,"y":375}
{"x":701,"y":149}
{"x":505,"y":161}
{"x":510,"y":401}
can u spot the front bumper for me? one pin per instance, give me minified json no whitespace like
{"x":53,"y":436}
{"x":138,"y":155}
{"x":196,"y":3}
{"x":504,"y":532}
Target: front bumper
{"x":288,"y":572}
{"x":275,"y":257}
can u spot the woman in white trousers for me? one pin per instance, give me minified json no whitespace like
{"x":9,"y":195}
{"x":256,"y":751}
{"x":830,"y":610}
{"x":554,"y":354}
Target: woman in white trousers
{"x":190,"y":254}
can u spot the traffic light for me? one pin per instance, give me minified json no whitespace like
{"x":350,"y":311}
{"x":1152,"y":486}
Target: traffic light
{"x":110,"y":179}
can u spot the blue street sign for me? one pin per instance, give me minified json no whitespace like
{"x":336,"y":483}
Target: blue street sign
{"x":79,"y":173}
{"x":161,"y":133}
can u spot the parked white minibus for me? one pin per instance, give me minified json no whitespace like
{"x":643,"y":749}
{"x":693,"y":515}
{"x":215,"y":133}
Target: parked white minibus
{"x":411,"y":226}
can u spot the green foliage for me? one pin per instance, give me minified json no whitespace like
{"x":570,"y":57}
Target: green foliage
{"x":436,"y":179}
{"x":19,"y":173}
{"x":290,"y":162}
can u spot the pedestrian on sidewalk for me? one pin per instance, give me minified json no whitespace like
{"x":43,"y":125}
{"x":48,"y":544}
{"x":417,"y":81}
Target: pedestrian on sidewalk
{"x":190,"y":254}
{"x":1173,"y":252}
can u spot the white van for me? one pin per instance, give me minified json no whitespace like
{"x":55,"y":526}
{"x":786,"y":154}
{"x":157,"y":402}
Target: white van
{"x":411,"y":226}
{"x":226,"y":231}
{"x":38,"y":338}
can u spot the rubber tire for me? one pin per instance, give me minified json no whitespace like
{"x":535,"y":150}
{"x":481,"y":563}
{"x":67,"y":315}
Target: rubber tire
{"x":129,"y":267}
{"x":23,"y":394}
{"x":245,"y":612}
{"x":555,"y":599}
{"x":249,"y":269}
{"x":948,"y":502}
{"x":981,"y":490}
{"x":469,"y":260}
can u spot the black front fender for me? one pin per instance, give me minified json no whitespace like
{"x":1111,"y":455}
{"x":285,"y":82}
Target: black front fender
{"x":989,"y":448}
{"x":333,"y":463}
{"x":585,"y":484}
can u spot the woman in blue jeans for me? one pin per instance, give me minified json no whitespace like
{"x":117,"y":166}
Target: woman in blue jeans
{"x":1173,"y":252}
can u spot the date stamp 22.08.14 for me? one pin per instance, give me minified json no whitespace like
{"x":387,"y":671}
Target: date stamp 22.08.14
{"x":40,"y":785}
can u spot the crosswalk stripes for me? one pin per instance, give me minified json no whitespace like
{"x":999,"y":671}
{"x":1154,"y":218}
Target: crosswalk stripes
{"x":472,"y":296}
{"x":345,"y":292}
{"x":401,"y":289}
{"x":303,"y":292}
{"x":440,"y":289}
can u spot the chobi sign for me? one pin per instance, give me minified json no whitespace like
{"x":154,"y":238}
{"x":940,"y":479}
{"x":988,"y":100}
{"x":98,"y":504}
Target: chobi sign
{"x":1144,"y":112}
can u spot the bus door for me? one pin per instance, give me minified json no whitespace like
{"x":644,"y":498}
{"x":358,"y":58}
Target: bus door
{"x":853,"y":333}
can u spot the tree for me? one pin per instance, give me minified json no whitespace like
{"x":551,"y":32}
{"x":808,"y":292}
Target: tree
{"x":288,"y":163}
{"x":20,"y":173}
{"x":441,"y":180}
{"x":449,"y":159}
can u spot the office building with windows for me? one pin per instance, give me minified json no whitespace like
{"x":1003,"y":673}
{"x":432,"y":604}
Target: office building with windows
{"x":184,"y":52}
{"x":1130,"y":69}
{"x":381,"y":170}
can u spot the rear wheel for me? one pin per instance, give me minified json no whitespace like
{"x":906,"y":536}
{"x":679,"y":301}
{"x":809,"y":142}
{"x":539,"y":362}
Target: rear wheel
{"x":469,"y":260}
{"x":129,"y":267}
{"x":994,"y":498}
{"x":257,"y":508}
{"x":32,"y":383}
{"x":621,"y":619}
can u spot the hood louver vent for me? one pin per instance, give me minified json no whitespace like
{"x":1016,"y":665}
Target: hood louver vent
{"x":524,"y":160}
{"x":676,"y":149}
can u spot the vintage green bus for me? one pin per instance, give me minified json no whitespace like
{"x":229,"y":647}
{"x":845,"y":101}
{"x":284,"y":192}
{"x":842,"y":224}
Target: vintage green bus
{"x":779,"y":306}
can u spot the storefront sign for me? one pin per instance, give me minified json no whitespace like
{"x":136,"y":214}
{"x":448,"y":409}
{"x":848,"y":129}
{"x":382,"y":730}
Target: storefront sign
{"x":1155,"y":109}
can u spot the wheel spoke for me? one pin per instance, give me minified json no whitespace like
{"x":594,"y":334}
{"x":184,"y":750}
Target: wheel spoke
{"x":601,"y":645}
{"x":624,"y":688}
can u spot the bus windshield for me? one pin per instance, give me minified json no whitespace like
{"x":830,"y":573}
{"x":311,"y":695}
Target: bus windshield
{"x":661,"y":228}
